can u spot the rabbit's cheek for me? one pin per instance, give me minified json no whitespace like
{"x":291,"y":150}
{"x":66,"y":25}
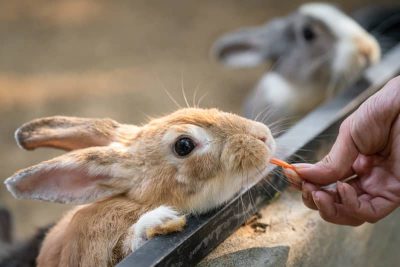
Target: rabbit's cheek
{"x":348,"y":60}
{"x":200,"y":167}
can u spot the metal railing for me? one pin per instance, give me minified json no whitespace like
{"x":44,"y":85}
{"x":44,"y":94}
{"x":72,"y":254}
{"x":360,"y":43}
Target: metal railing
{"x":203,"y":233}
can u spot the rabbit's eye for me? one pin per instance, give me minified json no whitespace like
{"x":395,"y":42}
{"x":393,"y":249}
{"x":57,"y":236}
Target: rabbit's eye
{"x":308,"y":33}
{"x":183,"y":146}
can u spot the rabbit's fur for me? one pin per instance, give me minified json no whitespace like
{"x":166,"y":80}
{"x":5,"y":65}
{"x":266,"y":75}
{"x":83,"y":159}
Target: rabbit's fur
{"x":137,"y":185}
{"x":315,"y":52}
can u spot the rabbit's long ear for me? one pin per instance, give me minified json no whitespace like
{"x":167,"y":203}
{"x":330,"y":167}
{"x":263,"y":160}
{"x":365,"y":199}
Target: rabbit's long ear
{"x":77,"y":177}
{"x":71,"y":133}
{"x":249,"y":47}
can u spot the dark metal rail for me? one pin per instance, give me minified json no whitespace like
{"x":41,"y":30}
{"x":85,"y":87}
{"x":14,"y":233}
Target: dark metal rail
{"x":204,"y":233}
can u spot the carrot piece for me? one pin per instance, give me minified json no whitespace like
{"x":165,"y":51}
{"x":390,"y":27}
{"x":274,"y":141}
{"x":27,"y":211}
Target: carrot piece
{"x":290,"y":172}
{"x":282,"y":164}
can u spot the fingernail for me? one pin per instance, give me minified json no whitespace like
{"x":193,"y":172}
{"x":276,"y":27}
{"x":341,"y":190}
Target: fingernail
{"x":305,"y":195}
{"x":315,"y":195}
{"x":302,"y":165}
{"x":339,"y":185}
{"x":293,"y":176}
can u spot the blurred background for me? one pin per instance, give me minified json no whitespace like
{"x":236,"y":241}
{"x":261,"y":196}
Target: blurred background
{"x":114,"y":59}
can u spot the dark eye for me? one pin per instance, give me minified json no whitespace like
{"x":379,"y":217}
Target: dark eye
{"x":308,"y":33}
{"x":184,"y":146}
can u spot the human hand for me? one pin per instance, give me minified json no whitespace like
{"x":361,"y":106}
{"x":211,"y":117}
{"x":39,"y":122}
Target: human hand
{"x":368,"y":145}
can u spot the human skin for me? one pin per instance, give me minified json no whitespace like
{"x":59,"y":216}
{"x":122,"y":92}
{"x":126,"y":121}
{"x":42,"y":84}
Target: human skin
{"x":368,"y":145}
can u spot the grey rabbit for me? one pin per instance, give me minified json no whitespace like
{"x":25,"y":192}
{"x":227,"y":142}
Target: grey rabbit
{"x":315,"y":52}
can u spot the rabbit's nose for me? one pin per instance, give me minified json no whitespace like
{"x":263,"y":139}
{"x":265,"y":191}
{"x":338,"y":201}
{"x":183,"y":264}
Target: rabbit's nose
{"x":262,"y":138}
{"x":368,"y":49}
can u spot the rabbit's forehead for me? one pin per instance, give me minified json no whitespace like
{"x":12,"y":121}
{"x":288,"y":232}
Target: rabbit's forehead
{"x":199,"y":133}
{"x":208,"y":122}
{"x":339,"y":23}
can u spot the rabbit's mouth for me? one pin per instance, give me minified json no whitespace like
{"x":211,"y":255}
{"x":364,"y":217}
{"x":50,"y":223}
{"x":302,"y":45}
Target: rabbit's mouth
{"x":354,"y":56}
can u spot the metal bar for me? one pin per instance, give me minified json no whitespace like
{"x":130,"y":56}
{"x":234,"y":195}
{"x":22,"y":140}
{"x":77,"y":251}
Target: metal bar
{"x":203,"y":233}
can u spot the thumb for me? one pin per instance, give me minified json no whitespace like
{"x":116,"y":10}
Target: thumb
{"x":337,"y":164}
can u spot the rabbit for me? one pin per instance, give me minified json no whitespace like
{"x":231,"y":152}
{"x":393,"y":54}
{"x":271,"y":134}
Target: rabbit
{"x":23,"y":253}
{"x":315,"y":53}
{"x":135,"y":182}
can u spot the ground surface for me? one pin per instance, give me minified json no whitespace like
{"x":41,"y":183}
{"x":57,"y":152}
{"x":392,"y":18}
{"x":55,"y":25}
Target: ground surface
{"x":296,"y":236}
{"x":113,"y":59}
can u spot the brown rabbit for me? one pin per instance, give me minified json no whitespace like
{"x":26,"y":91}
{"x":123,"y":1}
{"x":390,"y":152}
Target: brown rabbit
{"x":139,"y":180}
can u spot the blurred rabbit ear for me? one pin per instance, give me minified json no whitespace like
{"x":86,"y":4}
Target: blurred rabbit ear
{"x":250,"y":47}
{"x":77,"y":177}
{"x":71,"y":133}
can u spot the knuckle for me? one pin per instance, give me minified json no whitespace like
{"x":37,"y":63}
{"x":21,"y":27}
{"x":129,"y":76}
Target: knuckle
{"x":328,"y":162}
{"x":327,"y":217}
{"x":394,"y":82}
{"x":345,"y":125}
{"x":310,"y":204}
{"x":367,"y":216}
{"x":372,"y":219}
{"x":355,"y":223}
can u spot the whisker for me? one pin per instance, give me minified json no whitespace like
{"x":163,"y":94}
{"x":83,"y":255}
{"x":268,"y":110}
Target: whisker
{"x":194,"y":96}
{"x":283,"y":178}
{"x":260,"y":173}
{"x":252,"y":202}
{"x":266,"y":109}
{"x":287,"y":119}
{"x":265,"y":188}
{"x":201,"y":99}
{"x":183,"y":92}
{"x":172,"y":99}
{"x":168,"y":93}
{"x":244,"y":210}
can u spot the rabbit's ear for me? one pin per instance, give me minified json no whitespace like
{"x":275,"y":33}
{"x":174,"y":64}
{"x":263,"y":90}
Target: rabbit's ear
{"x":78,"y":177}
{"x":252,"y":46}
{"x":71,"y":133}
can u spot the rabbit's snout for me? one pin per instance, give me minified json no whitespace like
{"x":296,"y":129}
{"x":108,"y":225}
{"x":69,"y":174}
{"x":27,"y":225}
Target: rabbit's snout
{"x":368,"y":49}
{"x":243,"y":153}
{"x":261,"y":132}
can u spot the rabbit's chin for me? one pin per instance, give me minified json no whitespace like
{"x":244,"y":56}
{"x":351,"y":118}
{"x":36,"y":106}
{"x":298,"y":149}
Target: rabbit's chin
{"x":221,"y":189}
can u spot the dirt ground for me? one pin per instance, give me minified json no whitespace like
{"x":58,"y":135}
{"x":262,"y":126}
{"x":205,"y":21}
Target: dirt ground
{"x":113,"y":59}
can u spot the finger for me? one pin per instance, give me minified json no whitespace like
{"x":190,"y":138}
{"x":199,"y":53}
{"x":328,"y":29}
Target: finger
{"x":372,"y":210}
{"x":293,"y":178}
{"x":348,"y":196}
{"x":364,"y":207}
{"x":307,"y":190}
{"x":337,"y":164}
{"x":355,"y":183}
{"x":333,"y":212}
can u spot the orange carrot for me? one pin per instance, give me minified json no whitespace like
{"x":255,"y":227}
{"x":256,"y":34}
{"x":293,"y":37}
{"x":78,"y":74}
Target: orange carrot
{"x":282,"y":164}
{"x":289,"y":171}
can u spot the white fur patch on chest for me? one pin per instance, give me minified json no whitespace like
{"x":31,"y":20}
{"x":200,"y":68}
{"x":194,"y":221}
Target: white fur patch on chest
{"x":285,"y":97}
{"x":276,"y":89}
